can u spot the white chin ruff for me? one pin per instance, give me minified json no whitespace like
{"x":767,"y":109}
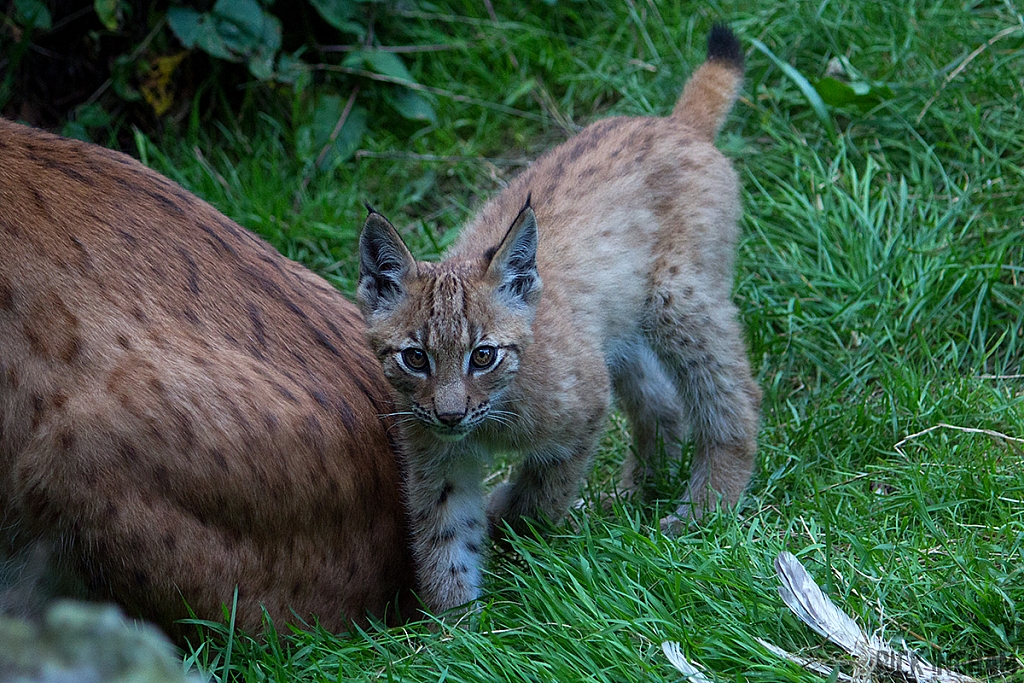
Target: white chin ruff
{"x":449,"y":436}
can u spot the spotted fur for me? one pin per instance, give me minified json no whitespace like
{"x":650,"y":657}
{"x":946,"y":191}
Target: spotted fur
{"x":183,"y":410}
{"x":615,"y":274}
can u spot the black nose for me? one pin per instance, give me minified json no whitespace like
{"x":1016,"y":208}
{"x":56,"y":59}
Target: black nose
{"x":450,"y":419}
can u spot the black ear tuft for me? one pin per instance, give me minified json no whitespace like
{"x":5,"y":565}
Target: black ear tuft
{"x":514,"y":264}
{"x":384,"y":264}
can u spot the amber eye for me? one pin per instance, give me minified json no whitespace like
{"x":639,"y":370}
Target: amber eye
{"x":415,"y":359}
{"x":482,"y":357}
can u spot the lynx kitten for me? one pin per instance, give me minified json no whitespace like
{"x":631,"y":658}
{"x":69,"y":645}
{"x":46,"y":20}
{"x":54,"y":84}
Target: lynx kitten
{"x":631,"y":226}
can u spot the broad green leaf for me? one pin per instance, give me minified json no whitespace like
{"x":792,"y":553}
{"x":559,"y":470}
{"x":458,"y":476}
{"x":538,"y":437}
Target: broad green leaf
{"x":377,"y":61}
{"x":245,"y":30}
{"x":291,"y":69}
{"x":210,"y":39}
{"x":109,"y":12}
{"x":329,"y":109}
{"x":246,"y":15}
{"x":350,"y":137}
{"x":75,"y":131}
{"x":235,"y":30}
{"x":326,"y":113}
{"x":412,"y":105}
{"x":92,"y":116}
{"x":122,"y":75}
{"x":261,"y":62}
{"x":184,"y":22}
{"x":262,"y":66}
{"x":86,"y":117}
{"x":341,"y":14}
{"x":836,"y":93}
{"x":32,"y":14}
{"x":272,"y":33}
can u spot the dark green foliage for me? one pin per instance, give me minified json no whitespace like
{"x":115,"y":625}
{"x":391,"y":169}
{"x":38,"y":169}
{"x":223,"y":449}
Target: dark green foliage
{"x":156,"y":65}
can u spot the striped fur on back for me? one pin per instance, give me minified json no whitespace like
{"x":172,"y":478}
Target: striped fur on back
{"x":183,"y":411}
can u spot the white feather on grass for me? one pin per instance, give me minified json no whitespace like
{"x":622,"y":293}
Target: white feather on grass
{"x":802,"y":595}
{"x":675,"y":656}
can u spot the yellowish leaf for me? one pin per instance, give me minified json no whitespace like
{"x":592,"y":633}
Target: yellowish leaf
{"x":156,"y":87}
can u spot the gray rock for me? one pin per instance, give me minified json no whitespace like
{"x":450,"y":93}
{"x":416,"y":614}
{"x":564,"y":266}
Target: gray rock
{"x":81,"y":642}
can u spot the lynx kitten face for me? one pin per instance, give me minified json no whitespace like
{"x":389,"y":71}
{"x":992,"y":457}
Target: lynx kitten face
{"x":631,"y":226}
{"x":451,"y":366}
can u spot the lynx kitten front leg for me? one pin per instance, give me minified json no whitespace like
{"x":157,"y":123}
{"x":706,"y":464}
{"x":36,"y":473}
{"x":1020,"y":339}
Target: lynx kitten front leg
{"x":544,"y":485}
{"x":447,"y":520}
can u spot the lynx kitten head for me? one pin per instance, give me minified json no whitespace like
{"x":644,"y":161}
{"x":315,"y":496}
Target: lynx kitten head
{"x":449,"y":336}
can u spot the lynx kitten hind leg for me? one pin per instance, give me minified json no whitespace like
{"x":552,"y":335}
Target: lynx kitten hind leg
{"x":703,"y":348}
{"x":651,"y":403}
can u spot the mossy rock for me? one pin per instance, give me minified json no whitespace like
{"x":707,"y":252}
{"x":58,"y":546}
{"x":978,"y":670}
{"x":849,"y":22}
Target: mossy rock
{"x":87,"y":643}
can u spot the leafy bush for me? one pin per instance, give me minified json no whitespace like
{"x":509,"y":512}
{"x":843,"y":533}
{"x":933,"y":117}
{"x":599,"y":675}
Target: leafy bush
{"x":96,"y":68}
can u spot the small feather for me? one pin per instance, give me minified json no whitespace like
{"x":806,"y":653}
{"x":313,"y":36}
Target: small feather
{"x":803,"y":596}
{"x":676,"y":658}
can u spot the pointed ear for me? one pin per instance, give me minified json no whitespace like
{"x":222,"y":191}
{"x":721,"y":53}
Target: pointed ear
{"x":514,"y":265}
{"x":384,"y":265}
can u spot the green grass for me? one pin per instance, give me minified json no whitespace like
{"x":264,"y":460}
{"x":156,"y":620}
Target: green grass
{"x":881,"y":279}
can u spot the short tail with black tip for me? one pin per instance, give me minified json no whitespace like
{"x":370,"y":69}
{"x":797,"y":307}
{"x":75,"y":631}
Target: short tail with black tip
{"x":712,"y":90}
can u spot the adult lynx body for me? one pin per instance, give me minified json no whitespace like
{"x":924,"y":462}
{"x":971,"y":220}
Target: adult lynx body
{"x":614,"y":278}
{"x":183,"y":410}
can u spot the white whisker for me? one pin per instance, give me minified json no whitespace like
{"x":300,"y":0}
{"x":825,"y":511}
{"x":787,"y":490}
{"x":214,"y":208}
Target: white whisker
{"x":503,"y":417}
{"x":395,"y":414}
{"x":403,"y":421}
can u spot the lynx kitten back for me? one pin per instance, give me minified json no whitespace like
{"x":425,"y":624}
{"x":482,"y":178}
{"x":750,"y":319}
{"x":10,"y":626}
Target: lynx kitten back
{"x":603,"y":270}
